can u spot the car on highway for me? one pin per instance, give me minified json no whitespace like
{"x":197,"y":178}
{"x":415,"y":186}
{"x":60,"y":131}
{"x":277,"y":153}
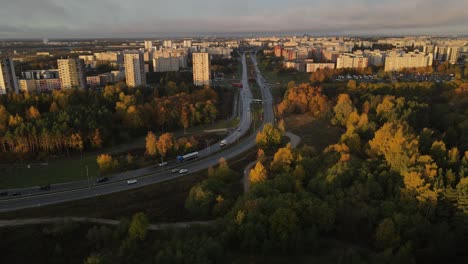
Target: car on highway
{"x":3,"y":193}
{"x":16,"y":194}
{"x":162,"y":164}
{"x":182,"y":171}
{"x":175,"y":170}
{"x":223,"y":143}
{"x":101,"y":180}
{"x":132,"y":181}
{"x":45,"y":188}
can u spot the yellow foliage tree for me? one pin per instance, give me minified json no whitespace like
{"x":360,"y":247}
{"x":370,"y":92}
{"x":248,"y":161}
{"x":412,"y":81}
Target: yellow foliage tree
{"x":258,"y":174}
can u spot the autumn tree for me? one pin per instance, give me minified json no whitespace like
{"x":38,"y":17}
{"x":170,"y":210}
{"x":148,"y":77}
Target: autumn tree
{"x":151,"y":144}
{"x":269,"y":137}
{"x":283,"y":159}
{"x":398,"y":146}
{"x":106,"y":163}
{"x":258,"y":173}
{"x":164,"y":144}
{"x":343,"y":108}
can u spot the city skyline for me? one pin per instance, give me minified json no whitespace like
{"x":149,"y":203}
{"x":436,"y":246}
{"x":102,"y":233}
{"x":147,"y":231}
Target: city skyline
{"x":144,"y":18}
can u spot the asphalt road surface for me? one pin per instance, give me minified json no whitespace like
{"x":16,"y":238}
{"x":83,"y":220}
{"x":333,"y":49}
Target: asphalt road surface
{"x":59,"y":193}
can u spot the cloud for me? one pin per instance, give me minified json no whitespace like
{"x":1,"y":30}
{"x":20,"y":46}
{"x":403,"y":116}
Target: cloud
{"x":121,"y":18}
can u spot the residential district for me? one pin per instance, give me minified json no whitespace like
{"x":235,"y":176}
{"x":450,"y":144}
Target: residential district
{"x":96,"y":63}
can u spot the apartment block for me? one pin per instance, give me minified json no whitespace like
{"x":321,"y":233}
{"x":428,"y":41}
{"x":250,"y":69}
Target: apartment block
{"x":134,"y":69}
{"x":348,"y":60}
{"x":398,"y":60}
{"x":201,"y":69}
{"x":8,"y":81}
{"x":72,"y":73}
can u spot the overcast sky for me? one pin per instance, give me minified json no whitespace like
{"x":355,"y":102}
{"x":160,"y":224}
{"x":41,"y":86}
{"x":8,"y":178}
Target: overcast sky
{"x":146,"y":18}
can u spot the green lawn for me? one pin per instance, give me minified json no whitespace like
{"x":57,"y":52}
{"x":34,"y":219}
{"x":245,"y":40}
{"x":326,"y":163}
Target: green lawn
{"x":316,"y":133}
{"x":36,"y":174}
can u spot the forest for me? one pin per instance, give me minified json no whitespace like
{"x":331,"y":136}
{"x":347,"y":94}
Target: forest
{"x":36,"y":126}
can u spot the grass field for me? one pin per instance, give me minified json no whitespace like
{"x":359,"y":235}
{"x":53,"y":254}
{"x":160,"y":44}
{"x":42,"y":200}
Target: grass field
{"x":316,"y":133}
{"x":163,"y":202}
{"x":36,"y":174}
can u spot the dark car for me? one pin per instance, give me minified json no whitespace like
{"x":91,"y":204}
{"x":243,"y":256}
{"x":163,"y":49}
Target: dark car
{"x":16,"y":194}
{"x":101,"y":180}
{"x":44,"y":188}
{"x":3,"y":193}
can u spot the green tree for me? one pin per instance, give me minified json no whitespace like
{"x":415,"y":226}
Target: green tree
{"x":138,"y":227}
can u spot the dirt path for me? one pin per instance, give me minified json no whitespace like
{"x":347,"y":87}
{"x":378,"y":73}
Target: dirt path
{"x":37,"y":221}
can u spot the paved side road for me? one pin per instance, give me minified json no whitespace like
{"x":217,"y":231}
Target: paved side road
{"x":293,"y":139}
{"x":42,"y":221}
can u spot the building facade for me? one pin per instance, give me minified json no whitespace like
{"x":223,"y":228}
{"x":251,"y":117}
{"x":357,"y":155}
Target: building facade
{"x":8,"y":81}
{"x":134,"y":69}
{"x":72,"y":73}
{"x":201,"y":69}
{"x":348,"y":60}
{"x":398,"y":60}
{"x":313,"y":67}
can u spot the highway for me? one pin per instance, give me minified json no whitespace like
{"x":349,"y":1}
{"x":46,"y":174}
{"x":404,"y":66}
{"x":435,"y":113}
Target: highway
{"x":32,"y":197}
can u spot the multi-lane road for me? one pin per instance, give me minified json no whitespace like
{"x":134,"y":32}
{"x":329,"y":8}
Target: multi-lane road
{"x":208,"y":157}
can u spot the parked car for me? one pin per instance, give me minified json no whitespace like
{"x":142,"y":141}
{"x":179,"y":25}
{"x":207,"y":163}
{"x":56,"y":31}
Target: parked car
{"x":182,"y":171}
{"x":101,"y":180}
{"x":132,"y":181}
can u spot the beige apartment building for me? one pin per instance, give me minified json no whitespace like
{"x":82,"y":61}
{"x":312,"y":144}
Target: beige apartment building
{"x":201,"y":69}
{"x":8,"y":81}
{"x":397,"y":60}
{"x":134,"y":69}
{"x":72,"y":73}
{"x":349,"y":60}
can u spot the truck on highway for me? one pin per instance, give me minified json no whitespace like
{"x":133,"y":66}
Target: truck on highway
{"x":223,"y":143}
{"x":187,"y":157}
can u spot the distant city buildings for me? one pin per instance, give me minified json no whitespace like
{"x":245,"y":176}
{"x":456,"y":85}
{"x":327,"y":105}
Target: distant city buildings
{"x":134,"y":69}
{"x":201,"y":69}
{"x":398,"y":60}
{"x":167,"y":43}
{"x":187,"y":43}
{"x":8,"y":82}
{"x":148,"y":45}
{"x":72,"y":73}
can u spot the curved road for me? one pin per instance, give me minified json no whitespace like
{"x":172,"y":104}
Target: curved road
{"x":151,"y":175}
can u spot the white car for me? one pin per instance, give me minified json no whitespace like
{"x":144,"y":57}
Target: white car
{"x":182,"y":171}
{"x":132,"y":181}
{"x":162,"y":164}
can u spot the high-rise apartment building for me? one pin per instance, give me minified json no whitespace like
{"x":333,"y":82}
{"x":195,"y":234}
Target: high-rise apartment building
{"x":348,"y":60}
{"x":148,"y":44}
{"x":72,"y":73}
{"x":8,"y":81}
{"x":134,"y":69}
{"x":201,"y":69}
{"x":397,"y":60}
